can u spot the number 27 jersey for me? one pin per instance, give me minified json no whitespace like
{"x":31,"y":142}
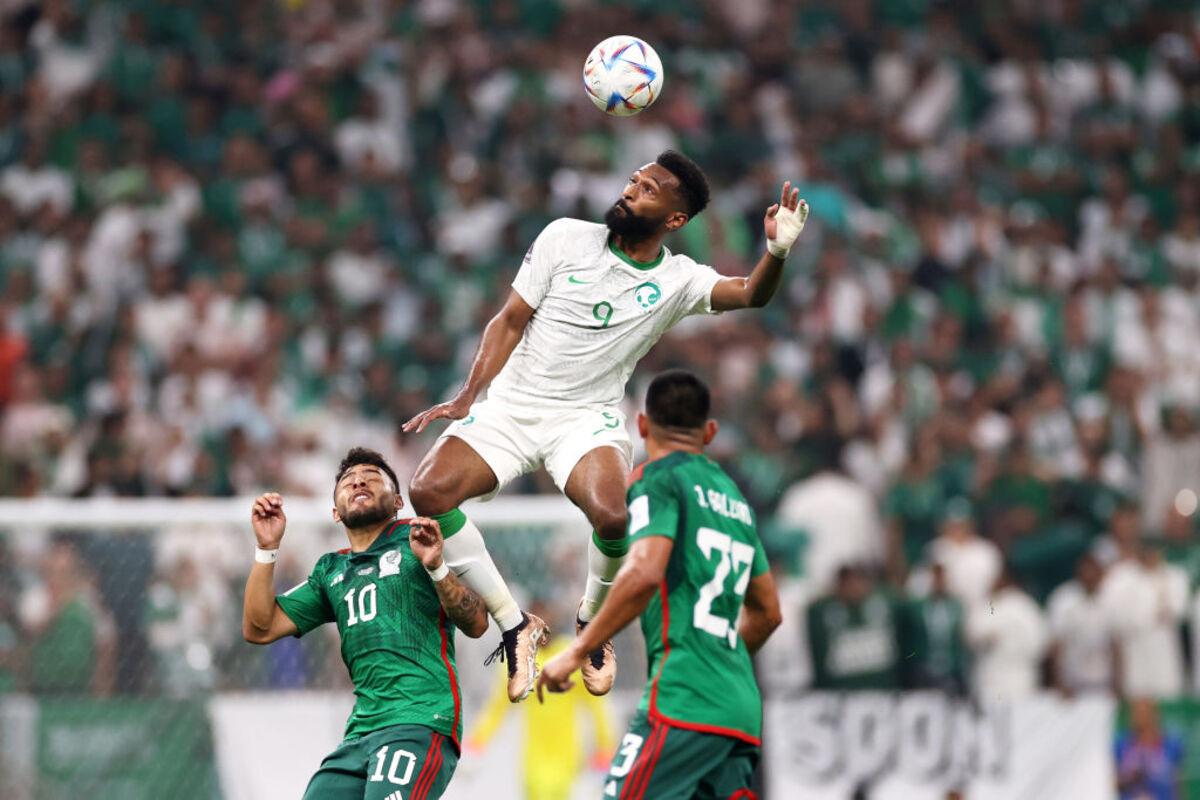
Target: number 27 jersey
{"x":700,"y":673}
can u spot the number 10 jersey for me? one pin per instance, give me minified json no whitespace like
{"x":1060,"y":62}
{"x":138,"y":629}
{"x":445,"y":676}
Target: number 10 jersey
{"x":397,"y":642}
{"x":700,"y":674}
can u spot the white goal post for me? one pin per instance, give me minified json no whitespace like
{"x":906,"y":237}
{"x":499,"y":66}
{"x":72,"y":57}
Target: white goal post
{"x":125,"y":512}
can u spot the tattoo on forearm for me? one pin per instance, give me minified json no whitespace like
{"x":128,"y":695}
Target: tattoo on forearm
{"x":462,"y":605}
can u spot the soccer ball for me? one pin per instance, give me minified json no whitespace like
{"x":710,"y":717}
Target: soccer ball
{"x":622,"y":75}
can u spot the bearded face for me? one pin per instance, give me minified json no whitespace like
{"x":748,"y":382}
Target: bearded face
{"x":630,"y":226}
{"x":368,"y":513}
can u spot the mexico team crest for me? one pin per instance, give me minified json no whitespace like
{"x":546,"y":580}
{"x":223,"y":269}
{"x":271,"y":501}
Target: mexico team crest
{"x":389,"y":563}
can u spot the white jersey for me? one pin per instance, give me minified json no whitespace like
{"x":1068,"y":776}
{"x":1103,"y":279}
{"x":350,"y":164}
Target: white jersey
{"x":597,"y":312}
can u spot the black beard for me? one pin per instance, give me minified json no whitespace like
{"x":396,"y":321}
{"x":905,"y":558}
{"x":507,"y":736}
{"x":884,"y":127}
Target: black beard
{"x":367,"y":516}
{"x":629,"y":226}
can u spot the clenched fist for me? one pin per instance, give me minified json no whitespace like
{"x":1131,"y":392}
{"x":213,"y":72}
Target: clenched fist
{"x":268,"y":520}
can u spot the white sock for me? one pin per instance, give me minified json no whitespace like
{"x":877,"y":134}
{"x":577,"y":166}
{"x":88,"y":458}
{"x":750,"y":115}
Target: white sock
{"x":468,"y":558}
{"x":602,"y":570}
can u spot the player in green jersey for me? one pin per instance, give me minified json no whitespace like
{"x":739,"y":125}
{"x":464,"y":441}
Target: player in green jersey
{"x":394,"y":600}
{"x":697,"y":575}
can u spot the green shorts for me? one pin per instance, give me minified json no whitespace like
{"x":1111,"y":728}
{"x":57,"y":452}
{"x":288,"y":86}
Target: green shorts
{"x":665,"y":763}
{"x":403,"y":762}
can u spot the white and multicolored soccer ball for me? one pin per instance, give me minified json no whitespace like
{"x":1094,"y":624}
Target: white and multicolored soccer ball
{"x":622,"y":75}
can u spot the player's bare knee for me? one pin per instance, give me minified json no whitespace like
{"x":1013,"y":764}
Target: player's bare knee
{"x":431,"y":496}
{"x":609,"y":522}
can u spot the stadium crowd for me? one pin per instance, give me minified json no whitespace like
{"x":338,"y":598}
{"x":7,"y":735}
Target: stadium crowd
{"x":237,"y":238}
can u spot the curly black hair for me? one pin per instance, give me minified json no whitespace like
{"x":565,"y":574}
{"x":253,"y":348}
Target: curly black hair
{"x":693,"y":185}
{"x":365,"y":455}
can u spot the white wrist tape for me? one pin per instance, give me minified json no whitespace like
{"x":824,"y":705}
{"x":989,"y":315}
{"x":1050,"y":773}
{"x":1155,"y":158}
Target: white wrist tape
{"x":777,"y":250}
{"x":265,"y":556}
{"x":440,"y":573}
{"x":788,"y":225}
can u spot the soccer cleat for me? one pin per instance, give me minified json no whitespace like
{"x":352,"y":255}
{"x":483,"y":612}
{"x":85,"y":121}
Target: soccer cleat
{"x":519,"y":648}
{"x":600,"y":668}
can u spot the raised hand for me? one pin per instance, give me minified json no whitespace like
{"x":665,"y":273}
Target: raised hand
{"x":268,"y":520}
{"x":456,"y":408}
{"x":784,"y":221}
{"x":425,"y":539}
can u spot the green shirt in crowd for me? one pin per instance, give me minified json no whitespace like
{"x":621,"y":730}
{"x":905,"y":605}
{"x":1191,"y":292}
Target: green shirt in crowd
{"x":64,"y":655}
{"x":935,"y":655}
{"x":855,"y":646}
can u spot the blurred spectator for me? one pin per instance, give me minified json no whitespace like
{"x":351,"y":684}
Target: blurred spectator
{"x":10,"y":626}
{"x":854,"y":635}
{"x":914,"y":506}
{"x":187,"y":618}
{"x":1145,"y":600}
{"x":1123,"y":540}
{"x":33,"y":184}
{"x":13,"y":349}
{"x":841,"y":519}
{"x":1149,"y":760}
{"x":370,"y":138}
{"x":72,"y":647}
{"x":1172,"y":464}
{"x":1008,"y":639}
{"x":971,"y":564}
{"x":937,"y":656}
{"x":1083,"y":652}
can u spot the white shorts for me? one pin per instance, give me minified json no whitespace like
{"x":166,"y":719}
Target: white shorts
{"x":514,"y":440}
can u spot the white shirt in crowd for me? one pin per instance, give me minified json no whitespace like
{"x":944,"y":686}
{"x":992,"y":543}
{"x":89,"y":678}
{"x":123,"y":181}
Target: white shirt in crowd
{"x":1008,"y":638}
{"x":1144,"y":607}
{"x":28,"y":189}
{"x":841,"y":519}
{"x":972,"y":567}
{"x":1079,"y":625}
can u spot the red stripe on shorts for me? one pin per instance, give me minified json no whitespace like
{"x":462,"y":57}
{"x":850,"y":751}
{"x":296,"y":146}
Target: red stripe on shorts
{"x":638,"y":764}
{"x":433,"y":773}
{"x":428,"y":769}
{"x":635,"y":789}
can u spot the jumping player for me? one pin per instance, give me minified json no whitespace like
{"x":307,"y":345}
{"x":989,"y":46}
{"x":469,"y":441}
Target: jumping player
{"x":394,"y":600}
{"x":698,"y":576}
{"x":588,"y":302}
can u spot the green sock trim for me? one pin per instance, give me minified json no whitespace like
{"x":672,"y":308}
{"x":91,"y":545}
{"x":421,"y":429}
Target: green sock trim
{"x":452,"y":522}
{"x":613,"y":548}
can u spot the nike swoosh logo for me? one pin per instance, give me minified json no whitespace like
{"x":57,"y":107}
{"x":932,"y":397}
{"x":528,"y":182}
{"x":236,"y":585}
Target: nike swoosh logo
{"x":573,"y":279}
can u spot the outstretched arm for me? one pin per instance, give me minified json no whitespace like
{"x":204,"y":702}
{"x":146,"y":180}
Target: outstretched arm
{"x":783,"y":223}
{"x":464,"y":608}
{"x":500,"y":338}
{"x":636,"y":583}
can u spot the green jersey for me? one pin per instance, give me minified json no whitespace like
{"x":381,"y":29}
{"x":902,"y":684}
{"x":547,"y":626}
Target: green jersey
{"x":397,"y":642}
{"x":856,"y":645}
{"x":700,"y":674}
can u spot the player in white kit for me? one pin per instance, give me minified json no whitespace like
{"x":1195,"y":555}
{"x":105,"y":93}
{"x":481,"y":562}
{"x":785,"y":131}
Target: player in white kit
{"x":588,"y":302}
